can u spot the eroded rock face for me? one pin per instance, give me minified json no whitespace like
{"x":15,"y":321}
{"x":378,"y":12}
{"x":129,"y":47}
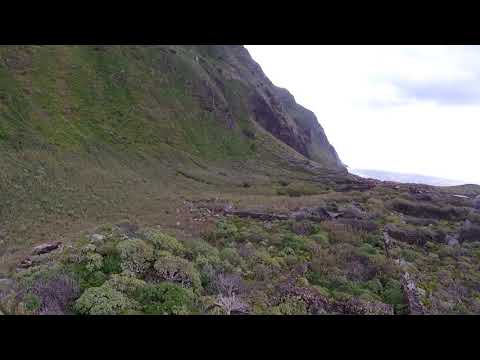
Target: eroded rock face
{"x":416,"y":236}
{"x":276,"y":110}
{"x":318,"y":214}
{"x":359,"y":224}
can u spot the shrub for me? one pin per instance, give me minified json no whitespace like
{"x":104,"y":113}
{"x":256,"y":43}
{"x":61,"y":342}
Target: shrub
{"x":93,"y":261}
{"x":166,"y":299}
{"x":108,"y":248}
{"x":302,"y":227}
{"x":253,"y":234}
{"x":85,"y":277}
{"x":340,"y":233}
{"x":290,"y":306}
{"x":200,"y":248}
{"x":321,"y":238}
{"x":32,"y":303}
{"x":136,"y":255}
{"x":175,"y":269}
{"x":207,"y":273}
{"x":367,"y":250}
{"x":231,"y":255}
{"x":112,"y":264}
{"x":375,"y":286}
{"x":226,"y":229}
{"x":296,"y":190}
{"x":125,"y":284}
{"x":296,"y":243}
{"x":104,"y":300}
{"x":393,"y":294}
{"x":408,"y":255}
{"x":165,"y":242}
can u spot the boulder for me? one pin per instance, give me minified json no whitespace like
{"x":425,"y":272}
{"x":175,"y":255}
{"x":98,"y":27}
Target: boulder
{"x":127,"y":229}
{"x":451,"y":240}
{"x":316,"y":214}
{"x":353,"y":212}
{"x":476,"y":202}
{"x":46,"y":248}
{"x":25,"y":263}
{"x":97,"y":238}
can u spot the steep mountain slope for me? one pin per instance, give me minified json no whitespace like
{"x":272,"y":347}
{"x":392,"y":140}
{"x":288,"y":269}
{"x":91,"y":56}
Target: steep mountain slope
{"x":90,"y":130}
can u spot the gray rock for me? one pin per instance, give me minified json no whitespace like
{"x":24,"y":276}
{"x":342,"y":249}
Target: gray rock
{"x":402,"y":263}
{"x":476,"y":202}
{"x":451,"y":240}
{"x":97,"y":238}
{"x":46,"y":248}
{"x":353,"y":212}
{"x":25,"y":263}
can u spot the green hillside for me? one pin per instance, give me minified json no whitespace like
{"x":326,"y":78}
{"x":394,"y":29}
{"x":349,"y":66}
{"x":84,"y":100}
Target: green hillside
{"x":90,"y":132}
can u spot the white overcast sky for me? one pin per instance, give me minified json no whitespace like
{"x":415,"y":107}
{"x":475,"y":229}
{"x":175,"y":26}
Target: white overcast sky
{"x":410,"y":109}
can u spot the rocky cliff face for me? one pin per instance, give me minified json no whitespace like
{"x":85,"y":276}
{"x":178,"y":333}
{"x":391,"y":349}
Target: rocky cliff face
{"x":83,"y":92}
{"x":275,"y":109}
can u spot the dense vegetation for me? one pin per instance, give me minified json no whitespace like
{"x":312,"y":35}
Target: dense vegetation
{"x":243,"y":265}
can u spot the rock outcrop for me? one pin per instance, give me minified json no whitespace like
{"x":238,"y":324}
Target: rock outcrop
{"x":412,"y":295}
{"x":46,"y":248}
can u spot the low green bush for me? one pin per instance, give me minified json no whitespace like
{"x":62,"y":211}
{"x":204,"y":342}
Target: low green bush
{"x":165,"y":242}
{"x":290,"y":306}
{"x":297,"y":190}
{"x":175,"y":269}
{"x":393,"y":294}
{"x":166,"y":299}
{"x":104,"y":300}
{"x":112,"y":264}
{"x":136,"y":255}
{"x":296,"y":243}
{"x":125,"y":284}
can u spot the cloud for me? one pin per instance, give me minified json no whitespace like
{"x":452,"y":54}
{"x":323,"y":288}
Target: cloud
{"x":412,"y":109}
{"x":446,"y":92}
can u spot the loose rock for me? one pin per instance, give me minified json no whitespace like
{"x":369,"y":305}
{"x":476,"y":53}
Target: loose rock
{"x":97,"y":238}
{"x":46,"y":248}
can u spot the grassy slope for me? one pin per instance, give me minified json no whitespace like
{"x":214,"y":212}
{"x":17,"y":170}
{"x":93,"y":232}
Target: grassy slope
{"x":92,"y":133}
